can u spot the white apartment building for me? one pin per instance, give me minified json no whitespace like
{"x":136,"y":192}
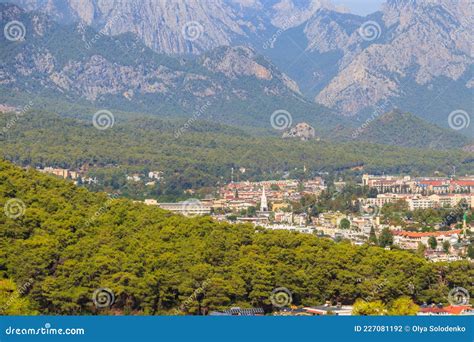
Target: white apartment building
{"x":187,"y":208}
{"x":416,"y":201}
{"x":440,"y":201}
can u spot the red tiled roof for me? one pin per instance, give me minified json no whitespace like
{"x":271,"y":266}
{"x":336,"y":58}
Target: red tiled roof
{"x":463,"y":182}
{"x":434,"y":182}
{"x":457,"y":309}
{"x":423,"y":234}
{"x":451,"y":309}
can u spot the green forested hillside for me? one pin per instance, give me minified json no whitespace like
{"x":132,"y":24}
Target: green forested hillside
{"x":203,"y":154}
{"x":67,"y":243}
{"x":405,"y":129}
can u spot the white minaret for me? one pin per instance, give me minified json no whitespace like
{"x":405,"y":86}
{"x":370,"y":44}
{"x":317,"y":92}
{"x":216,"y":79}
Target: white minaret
{"x":263,"y":201}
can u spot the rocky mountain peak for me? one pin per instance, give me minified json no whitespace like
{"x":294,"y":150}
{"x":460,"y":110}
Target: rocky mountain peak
{"x":240,"y":61}
{"x":236,"y":61}
{"x":427,"y":41}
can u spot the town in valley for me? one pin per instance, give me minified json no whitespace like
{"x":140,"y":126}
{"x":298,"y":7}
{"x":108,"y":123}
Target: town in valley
{"x":388,"y":213}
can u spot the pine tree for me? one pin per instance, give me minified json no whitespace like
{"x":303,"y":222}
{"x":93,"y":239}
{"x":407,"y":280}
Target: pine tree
{"x":372,"y":236}
{"x":386,"y":238}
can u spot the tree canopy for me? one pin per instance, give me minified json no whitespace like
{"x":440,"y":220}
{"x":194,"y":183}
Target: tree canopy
{"x":155,"y":262}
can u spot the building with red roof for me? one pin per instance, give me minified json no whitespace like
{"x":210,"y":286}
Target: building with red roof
{"x":433,"y":309}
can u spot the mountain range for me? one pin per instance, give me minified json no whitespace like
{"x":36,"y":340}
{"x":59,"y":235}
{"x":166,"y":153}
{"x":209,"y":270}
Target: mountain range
{"x":343,"y":61}
{"x":74,"y":63}
{"x":239,"y":61}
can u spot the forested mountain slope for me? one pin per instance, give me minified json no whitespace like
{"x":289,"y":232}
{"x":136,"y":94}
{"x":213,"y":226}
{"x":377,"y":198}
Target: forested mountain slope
{"x":202,"y":154}
{"x":405,"y":129}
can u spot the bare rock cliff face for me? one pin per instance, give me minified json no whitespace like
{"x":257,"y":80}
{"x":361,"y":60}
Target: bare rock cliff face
{"x":167,"y":26}
{"x":424,"y":40}
{"x":177,"y":26}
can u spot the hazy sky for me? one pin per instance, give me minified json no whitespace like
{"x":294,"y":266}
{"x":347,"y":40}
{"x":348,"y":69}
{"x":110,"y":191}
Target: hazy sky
{"x":361,"y":7}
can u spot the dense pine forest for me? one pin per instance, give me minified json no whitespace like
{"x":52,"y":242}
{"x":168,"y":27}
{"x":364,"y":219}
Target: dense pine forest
{"x":203,"y":154}
{"x":63,"y":243}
